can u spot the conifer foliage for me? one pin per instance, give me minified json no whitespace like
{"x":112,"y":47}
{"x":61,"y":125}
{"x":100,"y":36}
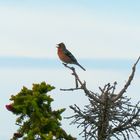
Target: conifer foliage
{"x":36,"y":119}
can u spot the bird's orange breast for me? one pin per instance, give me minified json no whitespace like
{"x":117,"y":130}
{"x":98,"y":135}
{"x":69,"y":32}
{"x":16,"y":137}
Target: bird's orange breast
{"x":63,"y":56}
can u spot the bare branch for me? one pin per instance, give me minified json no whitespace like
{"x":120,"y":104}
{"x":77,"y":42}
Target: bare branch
{"x":82,"y":84}
{"x":70,"y":89}
{"x":128,"y":82}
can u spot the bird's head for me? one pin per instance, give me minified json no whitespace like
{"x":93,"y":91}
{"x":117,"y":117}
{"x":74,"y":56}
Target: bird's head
{"x":61,"y":46}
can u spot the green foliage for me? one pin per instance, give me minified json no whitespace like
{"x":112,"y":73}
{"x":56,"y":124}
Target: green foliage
{"x":36,"y":119}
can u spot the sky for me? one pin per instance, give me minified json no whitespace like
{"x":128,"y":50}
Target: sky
{"x":103,"y":36}
{"x":102,"y":29}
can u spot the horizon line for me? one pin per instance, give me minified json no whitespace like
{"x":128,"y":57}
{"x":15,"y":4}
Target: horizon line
{"x":94,"y":63}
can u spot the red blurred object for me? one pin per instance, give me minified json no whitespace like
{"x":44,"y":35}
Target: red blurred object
{"x":10,"y":107}
{"x":17,"y":135}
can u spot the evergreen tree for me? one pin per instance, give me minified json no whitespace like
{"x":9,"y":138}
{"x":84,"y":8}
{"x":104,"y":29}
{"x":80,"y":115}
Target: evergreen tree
{"x":36,"y":119}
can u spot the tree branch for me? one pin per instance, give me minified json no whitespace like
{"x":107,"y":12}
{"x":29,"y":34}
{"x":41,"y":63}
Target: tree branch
{"x":128,"y":82}
{"x":82,"y":85}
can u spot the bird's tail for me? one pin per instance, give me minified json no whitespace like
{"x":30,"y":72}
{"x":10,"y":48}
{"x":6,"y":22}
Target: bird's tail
{"x":81,"y":67}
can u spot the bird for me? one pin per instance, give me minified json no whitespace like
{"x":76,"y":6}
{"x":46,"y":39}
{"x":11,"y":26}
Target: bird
{"x":66,"y":56}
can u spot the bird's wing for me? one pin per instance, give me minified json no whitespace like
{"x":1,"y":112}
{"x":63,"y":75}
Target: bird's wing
{"x":69,"y":54}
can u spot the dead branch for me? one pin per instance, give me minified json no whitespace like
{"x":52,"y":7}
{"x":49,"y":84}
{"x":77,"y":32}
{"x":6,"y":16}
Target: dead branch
{"x":127,"y":83}
{"x":82,"y":85}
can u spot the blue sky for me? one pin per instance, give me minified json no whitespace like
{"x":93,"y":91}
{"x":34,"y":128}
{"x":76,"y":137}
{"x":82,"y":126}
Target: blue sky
{"x":103,"y":36}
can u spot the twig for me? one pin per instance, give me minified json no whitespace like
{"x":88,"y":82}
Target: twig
{"x":70,"y":89}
